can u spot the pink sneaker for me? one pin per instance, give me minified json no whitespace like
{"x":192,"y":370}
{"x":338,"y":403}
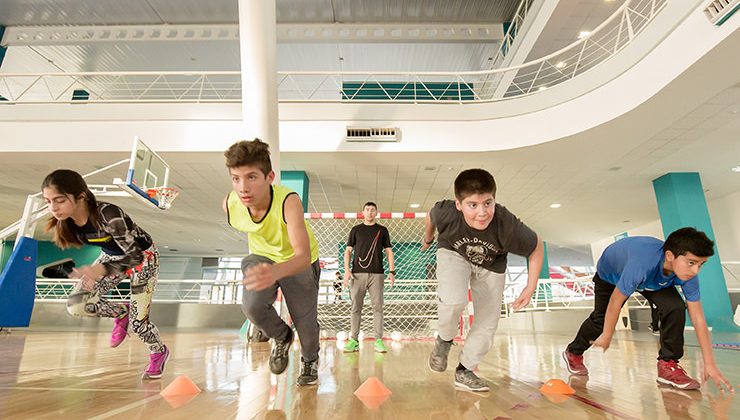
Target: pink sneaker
{"x":120,"y":328}
{"x":671,"y":373}
{"x":156,"y":364}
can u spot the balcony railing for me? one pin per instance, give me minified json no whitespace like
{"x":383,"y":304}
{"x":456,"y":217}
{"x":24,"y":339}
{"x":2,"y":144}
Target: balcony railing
{"x":583,"y":55}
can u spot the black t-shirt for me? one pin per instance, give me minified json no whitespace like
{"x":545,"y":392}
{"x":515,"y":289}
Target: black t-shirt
{"x":368,"y":243}
{"x":487,"y":248}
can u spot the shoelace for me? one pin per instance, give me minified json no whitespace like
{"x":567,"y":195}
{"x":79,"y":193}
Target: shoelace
{"x":575,"y":359}
{"x":674,"y":366}
{"x":307,"y":367}
{"x":280,"y":347}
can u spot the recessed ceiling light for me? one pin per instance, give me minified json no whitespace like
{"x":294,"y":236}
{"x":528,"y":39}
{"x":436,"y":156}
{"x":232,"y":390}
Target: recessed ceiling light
{"x":736,"y":169}
{"x":166,"y":246}
{"x":555,"y":205}
{"x":541,"y":88}
{"x":560,"y":65}
{"x":415,"y":205}
{"x":583,"y":34}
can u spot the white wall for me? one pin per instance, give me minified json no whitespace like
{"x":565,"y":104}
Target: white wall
{"x":725,"y":212}
{"x":654,"y":229}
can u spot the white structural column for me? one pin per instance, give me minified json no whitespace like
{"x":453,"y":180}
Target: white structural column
{"x":257,"y":46}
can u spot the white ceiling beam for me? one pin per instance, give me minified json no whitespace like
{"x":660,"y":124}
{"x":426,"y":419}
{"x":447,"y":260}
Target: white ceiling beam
{"x":287,"y":33}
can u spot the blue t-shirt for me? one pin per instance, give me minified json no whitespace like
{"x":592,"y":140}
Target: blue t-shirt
{"x":636,"y":264}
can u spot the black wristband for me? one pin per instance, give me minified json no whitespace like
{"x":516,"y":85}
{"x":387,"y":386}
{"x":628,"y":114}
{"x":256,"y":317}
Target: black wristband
{"x":392,"y":272}
{"x":429,"y":242}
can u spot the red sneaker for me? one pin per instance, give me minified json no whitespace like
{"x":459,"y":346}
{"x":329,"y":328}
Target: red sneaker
{"x":671,"y":373}
{"x":575,"y":364}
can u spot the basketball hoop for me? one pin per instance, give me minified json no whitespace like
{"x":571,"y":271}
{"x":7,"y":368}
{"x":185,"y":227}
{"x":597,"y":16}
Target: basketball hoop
{"x":165,"y":196}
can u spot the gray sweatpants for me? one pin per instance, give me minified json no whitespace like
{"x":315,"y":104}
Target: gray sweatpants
{"x":455,"y":274}
{"x":361,"y":283}
{"x":301,"y":292}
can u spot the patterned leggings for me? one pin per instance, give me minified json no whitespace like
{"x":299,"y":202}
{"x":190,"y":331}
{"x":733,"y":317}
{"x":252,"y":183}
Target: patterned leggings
{"x":143,"y":280}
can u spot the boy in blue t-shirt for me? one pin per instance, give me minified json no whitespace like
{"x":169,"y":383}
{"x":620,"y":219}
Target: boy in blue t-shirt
{"x":652,"y":268}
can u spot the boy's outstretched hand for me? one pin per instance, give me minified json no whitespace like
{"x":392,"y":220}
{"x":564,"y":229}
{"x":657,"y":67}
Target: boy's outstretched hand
{"x":259,"y":277}
{"x":711,"y":371}
{"x":602,"y":341}
{"x":523,"y":299}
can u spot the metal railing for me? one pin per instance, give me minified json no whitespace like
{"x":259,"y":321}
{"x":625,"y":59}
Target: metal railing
{"x":552,"y":294}
{"x":605,"y":41}
{"x":513,"y":30}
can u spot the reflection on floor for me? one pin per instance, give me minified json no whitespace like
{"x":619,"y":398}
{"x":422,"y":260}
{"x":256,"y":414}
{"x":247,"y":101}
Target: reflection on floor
{"x":73,"y":374}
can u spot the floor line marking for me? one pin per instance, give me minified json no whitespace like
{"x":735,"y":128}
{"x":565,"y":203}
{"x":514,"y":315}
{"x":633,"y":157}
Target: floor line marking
{"x":34,"y":388}
{"x":125,"y":408}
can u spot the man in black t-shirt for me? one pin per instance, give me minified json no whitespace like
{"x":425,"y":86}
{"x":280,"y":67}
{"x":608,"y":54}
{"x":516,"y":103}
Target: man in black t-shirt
{"x":368,"y":240}
{"x":475,"y":236}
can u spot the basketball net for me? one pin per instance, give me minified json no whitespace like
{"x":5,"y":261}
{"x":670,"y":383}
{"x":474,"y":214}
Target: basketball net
{"x":164,"y":195}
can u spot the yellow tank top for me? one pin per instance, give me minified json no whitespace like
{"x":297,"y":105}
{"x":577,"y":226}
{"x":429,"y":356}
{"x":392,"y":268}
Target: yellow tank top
{"x":268,"y":237}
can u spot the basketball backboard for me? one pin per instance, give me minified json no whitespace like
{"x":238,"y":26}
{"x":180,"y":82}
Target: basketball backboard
{"x":146,"y":171}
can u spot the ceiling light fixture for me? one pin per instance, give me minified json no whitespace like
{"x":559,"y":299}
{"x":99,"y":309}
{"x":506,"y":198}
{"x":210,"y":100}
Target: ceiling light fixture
{"x":555,"y":205}
{"x":584,"y":34}
{"x":560,"y":65}
{"x":415,"y":205}
{"x":736,"y":169}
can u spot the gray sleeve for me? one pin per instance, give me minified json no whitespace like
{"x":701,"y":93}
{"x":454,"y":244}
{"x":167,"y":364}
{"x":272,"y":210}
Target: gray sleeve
{"x":516,"y":237}
{"x":440,"y":214}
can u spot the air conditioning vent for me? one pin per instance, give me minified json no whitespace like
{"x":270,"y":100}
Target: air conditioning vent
{"x":719,"y":11}
{"x":373,"y":134}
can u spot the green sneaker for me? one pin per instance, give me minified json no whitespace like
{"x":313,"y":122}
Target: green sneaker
{"x":380,"y":347}
{"x":352,"y":346}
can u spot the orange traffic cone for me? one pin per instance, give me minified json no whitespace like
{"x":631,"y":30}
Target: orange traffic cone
{"x":182,"y":385}
{"x":373,"y":393}
{"x":180,"y":392}
{"x":556,"y":386}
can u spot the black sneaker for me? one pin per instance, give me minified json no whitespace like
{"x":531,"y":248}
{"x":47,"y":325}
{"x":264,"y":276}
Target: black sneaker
{"x":438,"y":358}
{"x":467,"y":379}
{"x":279,"y":355}
{"x":309,"y":372}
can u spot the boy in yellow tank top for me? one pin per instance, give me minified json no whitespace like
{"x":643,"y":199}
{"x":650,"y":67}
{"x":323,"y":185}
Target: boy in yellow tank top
{"x":283,"y":253}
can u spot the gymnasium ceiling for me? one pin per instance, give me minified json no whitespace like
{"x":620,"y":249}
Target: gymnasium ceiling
{"x":602,"y":189}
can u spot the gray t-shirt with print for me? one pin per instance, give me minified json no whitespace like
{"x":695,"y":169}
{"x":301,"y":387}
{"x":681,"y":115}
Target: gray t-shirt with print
{"x":487,"y":248}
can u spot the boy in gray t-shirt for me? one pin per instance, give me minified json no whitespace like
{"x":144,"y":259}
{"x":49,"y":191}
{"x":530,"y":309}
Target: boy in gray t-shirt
{"x":475,"y":236}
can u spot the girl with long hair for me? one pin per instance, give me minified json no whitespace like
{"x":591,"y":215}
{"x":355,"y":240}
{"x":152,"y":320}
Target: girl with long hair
{"x":127,"y":251}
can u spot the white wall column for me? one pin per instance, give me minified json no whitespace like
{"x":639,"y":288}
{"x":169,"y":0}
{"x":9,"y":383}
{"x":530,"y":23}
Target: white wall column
{"x":257,"y":46}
